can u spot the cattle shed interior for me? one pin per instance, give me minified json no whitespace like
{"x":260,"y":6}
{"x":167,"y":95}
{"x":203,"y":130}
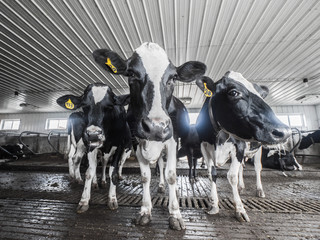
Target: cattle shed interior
{"x":46,"y":52}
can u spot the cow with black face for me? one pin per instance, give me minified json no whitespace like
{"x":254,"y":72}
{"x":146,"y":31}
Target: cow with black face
{"x":106,"y":128}
{"x":151,"y":79}
{"x":236,"y":107}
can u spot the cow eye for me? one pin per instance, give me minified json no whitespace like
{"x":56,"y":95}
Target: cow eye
{"x":233,"y":93}
{"x":130,"y":73}
{"x":170,"y":82}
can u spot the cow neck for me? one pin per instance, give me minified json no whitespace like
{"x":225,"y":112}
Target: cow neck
{"x":215,"y":124}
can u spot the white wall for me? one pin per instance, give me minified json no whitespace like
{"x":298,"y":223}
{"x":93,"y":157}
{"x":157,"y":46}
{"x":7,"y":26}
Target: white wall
{"x":34,"y":122}
{"x":310,"y":112}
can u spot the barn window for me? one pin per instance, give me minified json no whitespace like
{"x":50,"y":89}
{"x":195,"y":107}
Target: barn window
{"x":10,"y":124}
{"x":293,"y":120}
{"x":54,"y":123}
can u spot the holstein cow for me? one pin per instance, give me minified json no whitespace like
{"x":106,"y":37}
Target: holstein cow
{"x":151,"y":79}
{"x":77,"y":149}
{"x":106,"y":128}
{"x":236,"y":107}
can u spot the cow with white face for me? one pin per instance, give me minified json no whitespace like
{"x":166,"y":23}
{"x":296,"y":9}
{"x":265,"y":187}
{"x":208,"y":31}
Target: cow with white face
{"x":106,"y":128}
{"x":151,"y":79}
{"x":236,"y":106}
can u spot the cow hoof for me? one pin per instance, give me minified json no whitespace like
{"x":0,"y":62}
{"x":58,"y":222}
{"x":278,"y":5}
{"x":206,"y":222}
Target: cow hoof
{"x":161,"y":189}
{"x":242,"y":217}
{"x":213,"y":210}
{"x":120,"y":178}
{"x":203,"y":165}
{"x":113,"y":204}
{"x":241,"y":189}
{"x":260,"y":194}
{"x":82,"y":208}
{"x":143,"y":219}
{"x":95,"y":186}
{"x":104,"y":184}
{"x":191,"y":180}
{"x":196,"y":179}
{"x":176,"y":223}
{"x":80,"y":181}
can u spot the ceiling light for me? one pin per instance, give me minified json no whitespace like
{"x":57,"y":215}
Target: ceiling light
{"x":186,"y":100}
{"x":305,"y":82}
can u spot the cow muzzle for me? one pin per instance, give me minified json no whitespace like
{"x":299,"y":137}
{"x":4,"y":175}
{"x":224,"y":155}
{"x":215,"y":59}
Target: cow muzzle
{"x":94,"y":137}
{"x":156,"y":129}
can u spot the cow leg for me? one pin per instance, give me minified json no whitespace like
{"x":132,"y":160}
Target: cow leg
{"x":81,"y":150}
{"x":105,"y":160}
{"x":160,"y":165}
{"x":195,"y":161}
{"x":233,"y":175}
{"x":126,"y":154}
{"x":84,"y":202}
{"x":190,"y":163}
{"x":258,"y":168}
{"x":71,"y":153}
{"x":145,"y":213}
{"x":207,"y":151}
{"x":241,"y":185}
{"x":112,"y":201}
{"x":175,"y":221}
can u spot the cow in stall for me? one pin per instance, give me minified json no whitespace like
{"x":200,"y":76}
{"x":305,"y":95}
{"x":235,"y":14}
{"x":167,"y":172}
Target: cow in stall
{"x":190,"y":147}
{"x":106,"y":129}
{"x":76,"y":150}
{"x":151,"y":76}
{"x":12,"y":151}
{"x":310,"y":139}
{"x":237,"y":108}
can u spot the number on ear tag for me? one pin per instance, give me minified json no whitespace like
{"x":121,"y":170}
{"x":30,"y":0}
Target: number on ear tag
{"x":69,"y":104}
{"x":113,"y":68}
{"x":206,"y":91}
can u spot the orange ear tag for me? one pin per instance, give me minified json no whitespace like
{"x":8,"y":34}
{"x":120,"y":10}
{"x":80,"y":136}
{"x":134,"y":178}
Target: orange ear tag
{"x":206,"y":91}
{"x":69,"y":104}
{"x":113,"y":68}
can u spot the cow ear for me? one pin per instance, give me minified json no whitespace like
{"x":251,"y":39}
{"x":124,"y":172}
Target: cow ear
{"x":122,"y":100}
{"x":262,"y":90}
{"x":191,"y":71}
{"x":110,"y":61}
{"x":206,"y":85}
{"x":70,"y":102}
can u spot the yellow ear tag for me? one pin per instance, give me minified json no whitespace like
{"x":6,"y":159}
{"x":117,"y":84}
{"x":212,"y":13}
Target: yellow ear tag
{"x":69,"y":104}
{"x":113,"y":68}
{"x":206,"y":91}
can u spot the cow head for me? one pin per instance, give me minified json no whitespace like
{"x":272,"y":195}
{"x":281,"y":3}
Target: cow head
{"x":238,"y":107}
{"x":151,"y":77}
{"x":98,"y":102}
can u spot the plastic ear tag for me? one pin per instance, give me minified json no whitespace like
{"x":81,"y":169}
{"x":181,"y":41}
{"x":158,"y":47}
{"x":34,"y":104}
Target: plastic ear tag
{"x":206,"y":91}
{"x":113,"y":68}
{"x":69,"y":104}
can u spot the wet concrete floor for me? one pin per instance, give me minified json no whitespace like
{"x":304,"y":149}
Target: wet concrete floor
{"x":41,"y":204}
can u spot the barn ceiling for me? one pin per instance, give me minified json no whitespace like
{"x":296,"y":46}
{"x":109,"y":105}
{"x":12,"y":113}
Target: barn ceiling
{"x":46,"y":45}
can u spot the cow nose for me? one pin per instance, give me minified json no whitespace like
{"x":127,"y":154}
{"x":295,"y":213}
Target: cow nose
{"x":281,"y":134}
{"x":94,"y":132}
{"x":156,"y":129}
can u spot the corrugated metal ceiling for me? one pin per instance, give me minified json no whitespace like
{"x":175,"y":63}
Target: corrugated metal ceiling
{"x":46,"y":45}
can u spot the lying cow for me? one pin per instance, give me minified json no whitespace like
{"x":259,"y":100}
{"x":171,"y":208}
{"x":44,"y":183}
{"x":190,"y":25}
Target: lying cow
{"x":151,"y":76}
{"x":310,"y":139}
{"x":106,"y":128}
{"x":12,"y":151}
{"x":236,"y":107}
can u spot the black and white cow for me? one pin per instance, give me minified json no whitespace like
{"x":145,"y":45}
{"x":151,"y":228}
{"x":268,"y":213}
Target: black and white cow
{"x":106,"y":128}
{"x":151,"y":79}
{"x":236,"y":107}
{"x":76,"y":150}
{"x":12,"y":151}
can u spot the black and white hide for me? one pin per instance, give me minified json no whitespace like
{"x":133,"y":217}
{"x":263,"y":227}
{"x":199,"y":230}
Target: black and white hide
{"x":12,"y":151}
{"x":151,"y":77}
{"x":237,"y":108}
{"x":105,"y":129}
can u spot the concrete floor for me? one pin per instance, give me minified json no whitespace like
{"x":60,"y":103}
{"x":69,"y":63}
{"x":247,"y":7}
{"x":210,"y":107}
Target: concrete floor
{"x":38,"y":201}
